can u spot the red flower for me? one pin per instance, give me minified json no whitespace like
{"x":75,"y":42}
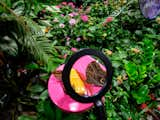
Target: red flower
{"x":158,"y":107}
{"x":143,"y":106}
{"x":152,"y":96}
{"x":129,"y":118}
{"x":109,"y":19}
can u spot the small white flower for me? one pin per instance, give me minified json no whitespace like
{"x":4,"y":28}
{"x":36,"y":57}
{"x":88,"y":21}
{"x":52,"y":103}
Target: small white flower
{"x":55,"y":20}
{"x":61,"y":25}
{"x":72,"y":22}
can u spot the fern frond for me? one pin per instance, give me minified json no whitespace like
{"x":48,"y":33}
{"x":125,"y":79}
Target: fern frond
{"x":26,"y":36}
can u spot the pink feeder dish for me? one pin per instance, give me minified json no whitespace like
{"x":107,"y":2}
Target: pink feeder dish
{"x":58,"y":95}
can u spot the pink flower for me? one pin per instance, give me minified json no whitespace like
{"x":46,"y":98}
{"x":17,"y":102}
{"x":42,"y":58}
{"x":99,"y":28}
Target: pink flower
{"x":71,"y":4}
{"x":109,"y":19}
{"x":72,"y":22}
{"x":61,"y":25}
{"x":78,"y":39}
{"x":68,"y":38}
{"x":58,"y":6}
{"x":74,"y":49}
{"x":64,"y":3}
{"x":84,"y":18}
{"x":73,"y":14}
{"x":62,"y":15}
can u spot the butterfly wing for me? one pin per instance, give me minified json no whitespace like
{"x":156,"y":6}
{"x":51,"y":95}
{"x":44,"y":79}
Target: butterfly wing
{"x":95,"y":74}
{"x":150,"y":8}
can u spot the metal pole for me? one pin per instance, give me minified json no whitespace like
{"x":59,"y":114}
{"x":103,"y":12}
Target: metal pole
{"x":100,"y":110}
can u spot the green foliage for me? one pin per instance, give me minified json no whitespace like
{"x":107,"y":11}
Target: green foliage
{"x":141,"y":95}
{"x":115,"y":27}
{"x":25,"y":117}
{"x":155,"y":79}
{"x":148,"y":52}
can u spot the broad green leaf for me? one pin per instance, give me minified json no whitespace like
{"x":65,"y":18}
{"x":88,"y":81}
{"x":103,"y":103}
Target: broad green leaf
{"x":52,"y":9}
{"x":90,"y":34}
{"x":141,"y":73}
{"x":59,"y":115}
{"x":92,"y":29}
{"x":49,"y":113}
{"x":44,"y":76}
{"x":141,"y":94}
{"x":148,"y":49}
{"x":116,"y":64}
{"x":32,"y":66}
{"x":155,"y":79}
{"x":131,"y":69}
{"x":44,"y":95}
{"x":25,"y":117}
{"x":36,"y":88}
{"x":46,"y":109}
{"x":45,"y":23}
{"x":73,"y":117}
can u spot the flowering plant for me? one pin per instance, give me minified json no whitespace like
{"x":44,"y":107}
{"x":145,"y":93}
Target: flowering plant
{"x":105,"y":26}
{"x":119,"y":30}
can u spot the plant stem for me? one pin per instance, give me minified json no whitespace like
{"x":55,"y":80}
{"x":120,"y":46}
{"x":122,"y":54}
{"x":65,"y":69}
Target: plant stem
{"x":7,"y":8}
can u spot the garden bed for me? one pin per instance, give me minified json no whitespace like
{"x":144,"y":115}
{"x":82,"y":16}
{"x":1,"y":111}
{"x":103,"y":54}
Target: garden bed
{"x":36,"y":37}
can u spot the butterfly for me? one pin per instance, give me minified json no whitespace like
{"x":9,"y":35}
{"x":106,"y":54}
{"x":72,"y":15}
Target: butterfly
{"x":95,"y":74}
{"x":150,"y":8}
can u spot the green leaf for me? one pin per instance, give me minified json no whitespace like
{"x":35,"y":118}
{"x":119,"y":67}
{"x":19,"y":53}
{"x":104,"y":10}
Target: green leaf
{"x":73,"y":117}
{"x":45,"y":108}
{"x":59,"y":114}
{"x":7,"y":2}
{"x":36,"y":88}
{"x":131,"y":69}
{"x":141,"y":95}
{"x":148,"y":50}
{"x":44,"y":76}
{"x":52,"y":8}
{"x":116,"y":64}
{"x":141,"y":73}
{"x":25,"y":117}
{"x":90,"y":34}
{"x":92,"y":29}
{"x":49,"y":113}
{"x":45,"y":23}
{"x":51,"y":66}
{"x":155,"y":79}
{"x":44,"y":95}
{"x":32,"y":66}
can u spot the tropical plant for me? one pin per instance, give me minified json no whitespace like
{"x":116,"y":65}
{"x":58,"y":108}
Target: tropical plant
{"x":47,"y":32}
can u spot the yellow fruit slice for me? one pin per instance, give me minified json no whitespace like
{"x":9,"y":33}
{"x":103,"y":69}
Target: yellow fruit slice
{"x":77,"y":83}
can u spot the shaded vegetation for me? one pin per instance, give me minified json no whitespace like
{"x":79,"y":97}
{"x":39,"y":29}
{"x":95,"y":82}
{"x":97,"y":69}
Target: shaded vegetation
{"x":37,"y":36}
